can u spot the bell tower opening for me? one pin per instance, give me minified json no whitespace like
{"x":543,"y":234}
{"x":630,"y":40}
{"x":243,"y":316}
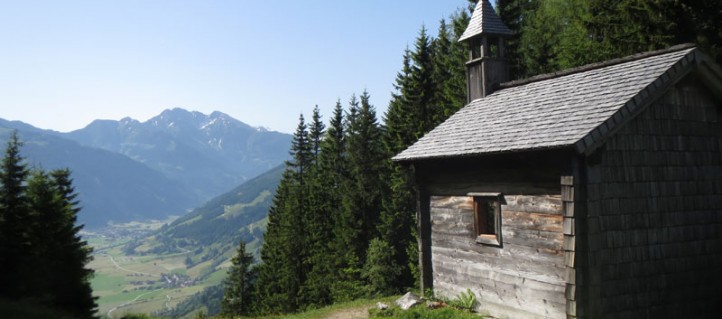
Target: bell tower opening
{"x":487,"y":66}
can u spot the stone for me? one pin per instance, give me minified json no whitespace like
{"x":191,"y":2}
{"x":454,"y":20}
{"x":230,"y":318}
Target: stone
{"x":408,"y":300}
{"x":381,"y":306}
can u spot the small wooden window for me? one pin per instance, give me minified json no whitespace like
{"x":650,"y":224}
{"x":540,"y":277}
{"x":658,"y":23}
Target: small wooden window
{"x":487,"y":217}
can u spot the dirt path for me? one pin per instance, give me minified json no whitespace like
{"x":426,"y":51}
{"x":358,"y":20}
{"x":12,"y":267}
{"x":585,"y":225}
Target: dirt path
{"x":351,"y":313}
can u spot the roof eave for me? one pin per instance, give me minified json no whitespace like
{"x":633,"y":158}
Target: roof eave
{"x":411,"y":159}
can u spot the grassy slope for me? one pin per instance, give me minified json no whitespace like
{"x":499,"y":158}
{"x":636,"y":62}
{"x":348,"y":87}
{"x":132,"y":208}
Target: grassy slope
{"x":207,"y":237}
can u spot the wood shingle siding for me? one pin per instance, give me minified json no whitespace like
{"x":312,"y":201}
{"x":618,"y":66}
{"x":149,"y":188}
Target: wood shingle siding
{"x":654,"y":199}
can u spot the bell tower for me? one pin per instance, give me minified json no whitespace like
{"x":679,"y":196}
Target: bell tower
{"x":487,"y":66}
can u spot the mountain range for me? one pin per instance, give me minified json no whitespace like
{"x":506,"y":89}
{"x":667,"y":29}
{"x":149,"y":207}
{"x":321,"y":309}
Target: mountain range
{"x":129,"y":170}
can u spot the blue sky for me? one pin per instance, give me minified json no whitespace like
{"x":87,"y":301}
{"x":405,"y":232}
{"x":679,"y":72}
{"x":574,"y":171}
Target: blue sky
{"x":66,"y":63}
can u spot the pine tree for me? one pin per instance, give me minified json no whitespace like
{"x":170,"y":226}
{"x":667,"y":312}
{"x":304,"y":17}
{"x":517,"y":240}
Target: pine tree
{"x":284,"y":253}
{"x":421,"y":91}
{"x":239,"y":285}
{"x":512,"y":13}
{"x":315,"y":290}
{"x":275,"y":274}
{"x":14,"y":238}
{"x":41,"y":239}
{"x":72,"y":291}
{"x":315,"y":134}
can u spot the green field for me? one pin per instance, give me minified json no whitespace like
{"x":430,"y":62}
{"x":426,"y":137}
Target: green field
{"x":144,"y":284}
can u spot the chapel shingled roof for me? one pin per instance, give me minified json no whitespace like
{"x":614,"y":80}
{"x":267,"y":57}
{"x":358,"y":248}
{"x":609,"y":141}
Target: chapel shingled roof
{"x":576,"y":108}
{"x":484,"y":20}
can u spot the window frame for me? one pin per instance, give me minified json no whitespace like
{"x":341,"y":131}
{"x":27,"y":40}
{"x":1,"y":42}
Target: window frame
{"x":483,"y":233}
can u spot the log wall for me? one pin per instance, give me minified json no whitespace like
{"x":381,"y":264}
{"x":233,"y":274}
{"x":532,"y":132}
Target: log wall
{"x":654,"y":212}
{"x":525,"y":278}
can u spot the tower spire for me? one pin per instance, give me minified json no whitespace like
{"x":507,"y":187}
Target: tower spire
{"x":487,"y":66}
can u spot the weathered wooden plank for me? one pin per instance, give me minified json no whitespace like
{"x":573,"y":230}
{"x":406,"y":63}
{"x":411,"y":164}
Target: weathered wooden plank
{"x":569,"y":258}
{"x":569,"y":226}
{"x":567,"y":180}
{"x":545,"y":204}
{"x":453,"y":202}
{"x":508,"y":290}
{"x":570,"y":243}
{"x":540,"y":270}
{"x":571,"y":292}
{"x":568,"y":209}
{"x":483,"y":275}
{"x":514,"y":308}
{"x":532,"y":221}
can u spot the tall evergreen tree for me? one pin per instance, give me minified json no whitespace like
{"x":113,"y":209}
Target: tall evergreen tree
{"x":284,"y":252}
{"x":41,"y":239}
{"x":514,"y":13}
{"x":239,"y":285}
{"x":323,"y":204}
{"x":315,"y":133}
{"x":276,"y":271}
{"x":73,"y":290}
{"x":14,"y":218}
{"x":422,"y":91}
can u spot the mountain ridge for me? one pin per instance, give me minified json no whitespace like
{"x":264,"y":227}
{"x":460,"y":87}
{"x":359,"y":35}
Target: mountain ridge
{"x":130,"y":170}
{"x":192,"y":147}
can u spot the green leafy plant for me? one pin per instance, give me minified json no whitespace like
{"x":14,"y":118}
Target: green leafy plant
{"x":465,"y":301}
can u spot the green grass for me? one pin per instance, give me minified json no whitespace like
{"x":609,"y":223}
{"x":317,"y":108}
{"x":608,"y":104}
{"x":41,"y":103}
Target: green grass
{"x":102,"y":282}
{"x":324,"y":312}
{"x":422,"y":312}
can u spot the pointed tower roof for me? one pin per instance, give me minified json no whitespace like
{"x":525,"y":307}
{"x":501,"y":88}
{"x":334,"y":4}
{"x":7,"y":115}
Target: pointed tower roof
{"x":485,"y":21}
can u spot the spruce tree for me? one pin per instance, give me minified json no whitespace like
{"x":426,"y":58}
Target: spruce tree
{"x":239,"y":284}
{"x":318,"y":223}
{"x":14,"y":219}
{"x":284,"y":253}
{"x":348,"y":245}
{"x":422,"y":92}
{"x":41,"y":239}
{"x":72,"y":291}
{"x":275,"y":272}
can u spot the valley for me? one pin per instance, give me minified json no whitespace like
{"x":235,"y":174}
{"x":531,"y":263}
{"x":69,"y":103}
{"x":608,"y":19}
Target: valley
{"x":139,"y":284}
{"x":129,"y":283}
{"x":155,"y":266}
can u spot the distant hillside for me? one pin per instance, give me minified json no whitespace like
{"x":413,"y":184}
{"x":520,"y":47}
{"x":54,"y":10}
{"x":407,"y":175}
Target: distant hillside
{"x":111,"y":187}
{"x":209,"y":154}
{"x":214,"y":230}
{"x":197,"y":247}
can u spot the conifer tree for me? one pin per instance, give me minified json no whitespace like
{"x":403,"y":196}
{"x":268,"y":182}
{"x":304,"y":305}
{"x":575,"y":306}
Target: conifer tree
{"x":275,"y":272}
{"x":72,"y":290}
{"x":319,"y":225}
{"x":422,"y":91}
{"x":284,"y":252}
{"x":39,"y":211}
{"x":347,"y":246}
{"x":239,"y":285}
{"x":14,"y":237}
{"x":315,"y":134}
{"x":366,"y":157}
